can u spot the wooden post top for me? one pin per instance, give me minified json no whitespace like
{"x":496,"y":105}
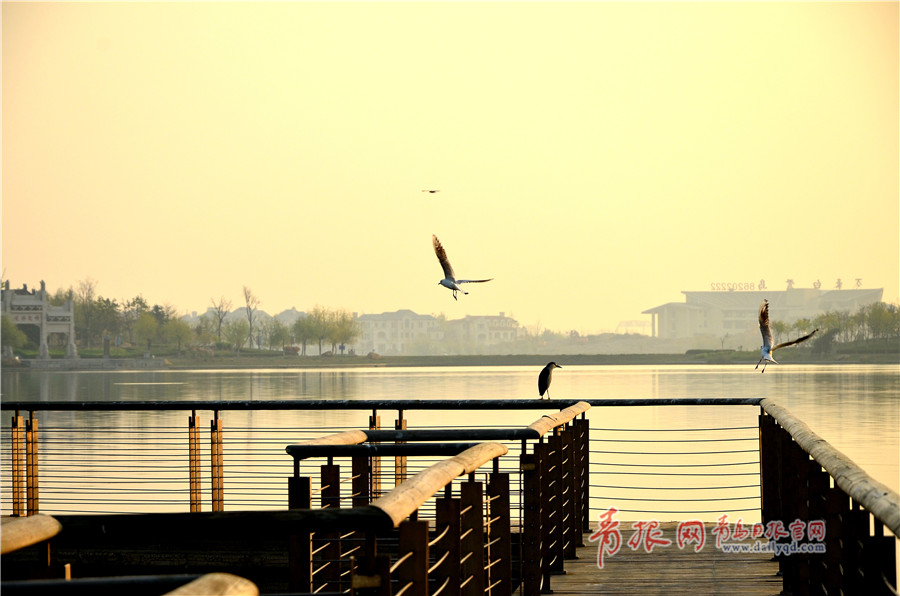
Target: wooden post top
{"x":547,"y":422}
{"x":409,"y":496}
{"x":217,"y":584}
{"x":349,"y":437}
{"x":19,"y":532}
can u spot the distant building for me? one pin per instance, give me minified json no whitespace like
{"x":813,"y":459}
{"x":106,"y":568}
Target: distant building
{"x":396,"y":332}
{"x":32,"y":307}
{"x":486,"y":330}
{"x":735,"y":312}
{"x":406,"y":332}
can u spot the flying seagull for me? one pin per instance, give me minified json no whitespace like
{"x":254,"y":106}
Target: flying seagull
{"x":766,"y":350}
{"x":544,"y":379}
{"x":450,"y":280}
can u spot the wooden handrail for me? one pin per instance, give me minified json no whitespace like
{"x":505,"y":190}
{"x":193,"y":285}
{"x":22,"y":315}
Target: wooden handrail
{"x":877,"y":498}
{"x":217,"y":584}
{"x":546,"y":423}
{"x":453,"y":434}
{"x":20,"y":532}
{"x":348,"y":437}
{"x":400,"y":502}
{"x":539,"y":427}
{"x":363,"y":404}
{"x":305,"y":451}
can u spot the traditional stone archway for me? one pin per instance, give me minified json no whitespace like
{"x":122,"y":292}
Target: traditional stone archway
{"x":32,"y":307}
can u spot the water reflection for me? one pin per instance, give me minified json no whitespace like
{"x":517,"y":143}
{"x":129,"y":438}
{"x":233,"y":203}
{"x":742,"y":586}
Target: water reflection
{"x":854,"y":407}
{"x":179,"y":385}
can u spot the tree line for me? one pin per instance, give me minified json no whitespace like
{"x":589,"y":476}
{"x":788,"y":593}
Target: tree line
{"x":136,"y":322}
{"x":876,"y":321}
{"x":321,"y":326}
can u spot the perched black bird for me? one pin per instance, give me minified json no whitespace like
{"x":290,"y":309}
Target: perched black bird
{"x":544,"y":379}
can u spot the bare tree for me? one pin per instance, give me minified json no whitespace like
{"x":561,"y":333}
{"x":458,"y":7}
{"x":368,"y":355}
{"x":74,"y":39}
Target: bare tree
{"x":178,"y":332}
{"x":303,"y":332}
{"x":318,"y":321}
{"x":346,"y":329}
{"x":85,"y":311}
{"x":251,"y":303}
{"x":131,"y":312}
{"x":220,"y":311}
{"x":235,"y":333}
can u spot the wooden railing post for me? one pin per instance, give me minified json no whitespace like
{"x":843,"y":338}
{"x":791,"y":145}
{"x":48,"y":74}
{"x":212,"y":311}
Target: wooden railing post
{"x":400,"y":460}
{"x":447,"y":517}
{"x":855,"y":530}
{"x":769,"y":467}
{"x":375,"y":488}
{"x":360,"y":484}
{"x":795,"y":567}
{"x":370,"y":574}
{"x":879,"y":567}
{"x":818,"y":491}
{"x":329,"y":573}
{"x":532,"y":563}
{"x":499,"y":538}
{"x":300,"y":545}
{"x":836,"y":504}
{"x":472,"y":537}
{"x":194,"y":462}
{"x":31,"y":465}
{"x":18,"y":465}
{"x":216,"y":464}
{"x":787,"y":479}
{"x":555,"y":508}
{"x":361,"y":481}
{"x":413,"y":571}
{"x":583,"y":462}
{"x":571,"y":508}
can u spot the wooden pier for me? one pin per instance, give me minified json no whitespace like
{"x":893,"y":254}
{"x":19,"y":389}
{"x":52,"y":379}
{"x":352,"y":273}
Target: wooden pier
{"x":525,"y":527}
{"x":668,"y":570}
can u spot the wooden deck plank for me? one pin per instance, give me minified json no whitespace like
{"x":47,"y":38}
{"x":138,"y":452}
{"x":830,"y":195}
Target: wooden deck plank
{"x":668,"y":570}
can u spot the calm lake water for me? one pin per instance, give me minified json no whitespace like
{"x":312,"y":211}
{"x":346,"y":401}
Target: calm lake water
{"x":856,"y":408}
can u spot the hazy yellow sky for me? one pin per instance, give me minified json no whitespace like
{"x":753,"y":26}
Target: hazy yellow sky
{"x":596,"y":159}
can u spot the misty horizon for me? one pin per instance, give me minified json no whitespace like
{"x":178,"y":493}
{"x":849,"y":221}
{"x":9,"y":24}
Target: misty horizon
{"x":592,"y":158}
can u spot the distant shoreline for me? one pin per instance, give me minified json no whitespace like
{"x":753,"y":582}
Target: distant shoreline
{"x":278,"y":361}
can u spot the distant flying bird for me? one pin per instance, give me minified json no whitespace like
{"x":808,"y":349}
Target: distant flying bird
{"x":450,"y":280}
{"x":766,"y":350}
{"x":431,"y":191}
{"x":544,"y":379}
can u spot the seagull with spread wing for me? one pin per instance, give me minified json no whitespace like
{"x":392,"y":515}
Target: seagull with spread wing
{"x":767,"y":349}
{"x":450,"y":280}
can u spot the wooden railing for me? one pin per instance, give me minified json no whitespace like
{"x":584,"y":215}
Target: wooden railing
{"x":382,"y":544}
{"x":804,"y":478}
{"x":423,"y":528}
{"x":24,"y":444}
{"x":470,"y":553}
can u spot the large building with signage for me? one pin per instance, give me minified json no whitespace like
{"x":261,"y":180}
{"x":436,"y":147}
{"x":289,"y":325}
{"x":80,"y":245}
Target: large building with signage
{"x":734,"y":312}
